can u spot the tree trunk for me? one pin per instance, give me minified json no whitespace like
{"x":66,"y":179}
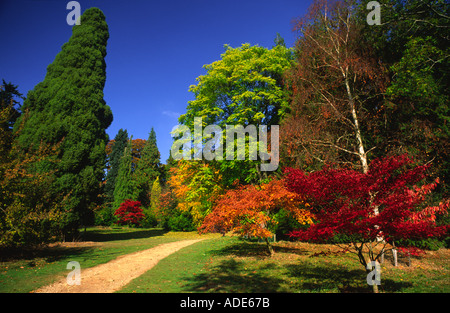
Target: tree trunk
{"x":394,"y":254}
{"x":375,"y":288}
{"x":269,"y":247}
{"x":360,"y":146}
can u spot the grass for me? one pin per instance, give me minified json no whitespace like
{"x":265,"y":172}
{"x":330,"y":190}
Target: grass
{"x":31,"y":269}
{"x":223,"y":264}
{"x":230,"y":264}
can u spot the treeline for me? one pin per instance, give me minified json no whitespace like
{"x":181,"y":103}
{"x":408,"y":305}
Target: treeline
{"x":346,"y":94}
{"x":135,"y":190}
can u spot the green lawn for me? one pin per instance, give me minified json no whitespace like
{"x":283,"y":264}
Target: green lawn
{"x":230,"y":264}
{"x":224,"y":264}
{"x":35,"y":268}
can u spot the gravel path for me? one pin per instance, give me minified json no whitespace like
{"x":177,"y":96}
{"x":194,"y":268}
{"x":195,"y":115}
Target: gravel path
{"x":112,"y":276}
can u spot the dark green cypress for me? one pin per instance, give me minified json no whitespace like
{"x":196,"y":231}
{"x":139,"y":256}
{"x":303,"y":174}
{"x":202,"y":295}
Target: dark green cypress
{"x":9,"y":94}
{"x":148,"y":168}
{"x":68,"y":107}
{"x":120,"y":143}
{"x":125,"y":185}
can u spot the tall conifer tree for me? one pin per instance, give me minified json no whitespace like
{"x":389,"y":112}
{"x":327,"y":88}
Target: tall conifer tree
{"x":148,"y":168}
{"x":120,"y":143}
{"x":125,"y":185}
{"x":68,"y":107}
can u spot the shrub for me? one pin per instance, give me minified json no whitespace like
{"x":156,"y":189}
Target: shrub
{"x":432,"y":244}
{"x":105,"y":217}
{"x":22,"y":226}
{"x":285,"y":223}
{"x":149,"y":218}
{"x":130,"y":213}
{"x":181,"y":222}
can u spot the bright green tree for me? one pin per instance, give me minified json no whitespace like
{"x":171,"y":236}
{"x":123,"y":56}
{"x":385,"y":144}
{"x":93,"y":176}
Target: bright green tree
{"x":244,"y":87}
{"x":68,"y":107}
{"x":155,"y":194}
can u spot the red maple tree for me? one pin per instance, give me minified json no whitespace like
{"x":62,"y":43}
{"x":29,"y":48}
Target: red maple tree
{"x":370,"y":209}
{"x":130,"y":213}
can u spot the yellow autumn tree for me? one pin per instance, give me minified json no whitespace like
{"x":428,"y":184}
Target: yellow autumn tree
{"x":196,"y":186}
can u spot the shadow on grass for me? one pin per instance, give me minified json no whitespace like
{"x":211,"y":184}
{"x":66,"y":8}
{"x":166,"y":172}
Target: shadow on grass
{"x":317,"y":278}
{"x":103,"y":235}
{"x":54,"y":253}
{"x":243,"y":276}
{"x":245,"y":248}
{"x":231,"y":276}
{"x":50,"y":254}
{"x":321,"y":278}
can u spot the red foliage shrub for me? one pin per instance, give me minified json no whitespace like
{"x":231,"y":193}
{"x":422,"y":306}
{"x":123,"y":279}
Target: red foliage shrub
{"x":130,"y":213}
{"x":385,"y":202}
{"x":408,"y":251}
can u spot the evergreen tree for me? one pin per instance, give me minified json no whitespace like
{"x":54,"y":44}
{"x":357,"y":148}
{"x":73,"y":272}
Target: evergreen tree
{"x":125,"y":185}
{"x":120,"y":143}
{"x":9,"y":94}
{"x":148,"y":168}
{"x":170,"y":163}
{"x":9,"y":112}
{"x":279,"y":41}
{"x":68,"y":107}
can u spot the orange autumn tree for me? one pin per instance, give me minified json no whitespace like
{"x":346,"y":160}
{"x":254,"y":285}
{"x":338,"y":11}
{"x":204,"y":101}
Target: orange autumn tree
{"x":248,"y":210}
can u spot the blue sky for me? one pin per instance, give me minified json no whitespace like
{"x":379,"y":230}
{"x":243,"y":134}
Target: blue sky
{"x":155,"y":52}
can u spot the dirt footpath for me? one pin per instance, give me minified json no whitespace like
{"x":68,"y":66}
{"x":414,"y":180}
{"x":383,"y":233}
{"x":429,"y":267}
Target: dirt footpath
{"x":112,"y":276}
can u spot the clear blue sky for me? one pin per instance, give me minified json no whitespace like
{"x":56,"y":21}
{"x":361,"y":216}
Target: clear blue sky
{"x":156,"y":49}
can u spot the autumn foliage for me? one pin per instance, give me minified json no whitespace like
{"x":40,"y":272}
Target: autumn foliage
{"x":195,"y":186}
{"x":130,"y":213}
{"x":383,"y":203}
{"x":246,"y":210}
{"x":333,"y":84}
